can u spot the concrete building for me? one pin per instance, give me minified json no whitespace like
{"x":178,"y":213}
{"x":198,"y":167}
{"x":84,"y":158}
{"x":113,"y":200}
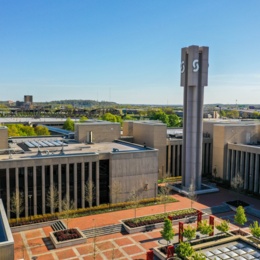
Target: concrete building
{"x":229,"y":146}
{"x":37,"y":165}
{"x":236,"y":150}
{"x":151,"y":134}
{"x":28,"y":99}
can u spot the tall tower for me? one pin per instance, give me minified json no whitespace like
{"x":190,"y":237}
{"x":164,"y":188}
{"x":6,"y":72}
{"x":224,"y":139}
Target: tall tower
{"x":194,"y":76}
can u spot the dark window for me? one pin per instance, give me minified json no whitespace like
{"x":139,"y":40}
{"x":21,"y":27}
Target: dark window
{"x":63,"y":180}
{"x":79,"y":188}
{"x":94,"y":179}
{"x":39,"y":188}
{"x":47,"y":184}
{"x":56,"y":175}
{"x":71,"y":181}
{"x":104,"y":181}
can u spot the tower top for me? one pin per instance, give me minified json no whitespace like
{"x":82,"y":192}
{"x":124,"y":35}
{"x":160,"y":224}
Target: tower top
{"x":194,"y":66}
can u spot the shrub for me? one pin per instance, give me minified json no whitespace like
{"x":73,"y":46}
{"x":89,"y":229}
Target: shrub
{"x":205,"y":228}
{"x":255,"y":229}
{"x":223,"y":226}
{"x":189,"y":232}
{"x":184,"y":250}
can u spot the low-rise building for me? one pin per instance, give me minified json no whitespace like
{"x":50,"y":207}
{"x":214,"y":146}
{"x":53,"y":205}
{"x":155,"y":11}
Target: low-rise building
{"x":36,"y":165}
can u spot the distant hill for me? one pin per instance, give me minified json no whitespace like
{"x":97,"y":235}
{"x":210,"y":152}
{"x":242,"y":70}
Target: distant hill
{"x":83,"y":103}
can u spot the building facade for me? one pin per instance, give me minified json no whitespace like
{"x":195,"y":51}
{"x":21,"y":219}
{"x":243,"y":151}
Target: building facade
{"x":112,"y":165}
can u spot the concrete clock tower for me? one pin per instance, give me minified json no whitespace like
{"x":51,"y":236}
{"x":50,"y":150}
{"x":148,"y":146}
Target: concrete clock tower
{"x":194,"y":76}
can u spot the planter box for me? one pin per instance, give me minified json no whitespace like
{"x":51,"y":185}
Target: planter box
{"x":32,"y":226}
{"x":240,"y":232}
{"x":154,"y":226}
{"x":159,"y":254}
{"x":71,"y":242}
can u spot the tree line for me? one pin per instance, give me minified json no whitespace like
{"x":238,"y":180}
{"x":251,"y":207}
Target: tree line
{"x":25,"y":130}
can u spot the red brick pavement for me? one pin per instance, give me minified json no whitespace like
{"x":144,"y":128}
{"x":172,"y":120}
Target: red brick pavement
{"x":35,"y":242}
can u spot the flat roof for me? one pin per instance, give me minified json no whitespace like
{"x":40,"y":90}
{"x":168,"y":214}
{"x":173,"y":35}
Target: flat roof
{"x":20,"y":149}
{"x":97,"y":122}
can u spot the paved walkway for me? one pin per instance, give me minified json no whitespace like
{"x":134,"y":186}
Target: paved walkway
{"x":117,"y":246}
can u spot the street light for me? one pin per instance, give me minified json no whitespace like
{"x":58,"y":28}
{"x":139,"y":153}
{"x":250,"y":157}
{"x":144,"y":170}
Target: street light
{"x":30,"y":205}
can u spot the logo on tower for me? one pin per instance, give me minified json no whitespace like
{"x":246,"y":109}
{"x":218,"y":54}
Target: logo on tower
{"x":182,"y":67}
{"x":195,"y":65}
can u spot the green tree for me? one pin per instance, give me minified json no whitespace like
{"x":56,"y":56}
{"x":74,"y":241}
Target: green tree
{"x":184,"y":250}
{"x":232,"y":114}
{"x":167,"y":232}
{"x":119,"y":119}
{"x":255,"y":114}
{"x":174,"y":120}
{"x":83,"y":119}
{"x":109,"y":117}
{"x":20,"y":130}
{"x":160,"y":115}
{"x":223,"y":113}
{"x":13,"y":130}
{"x":128,"y":117}
{"x":223,"y":226}
{"x":189,"y":232}
{"x":28,"y":131}
{"x":205,"y":228}
{"x":41,"y":130}
{"x":240,"y":217}
{"x":255,"y":229}
{"x":69,"y":124}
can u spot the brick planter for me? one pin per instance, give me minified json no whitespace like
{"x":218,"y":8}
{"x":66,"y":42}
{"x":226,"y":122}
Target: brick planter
{"x":70,"y":242}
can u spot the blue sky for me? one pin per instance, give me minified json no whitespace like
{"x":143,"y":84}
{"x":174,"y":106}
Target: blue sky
{"x":127,"y":51}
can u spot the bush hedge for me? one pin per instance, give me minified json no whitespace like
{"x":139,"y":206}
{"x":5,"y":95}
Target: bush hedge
{"x":85,"y":211}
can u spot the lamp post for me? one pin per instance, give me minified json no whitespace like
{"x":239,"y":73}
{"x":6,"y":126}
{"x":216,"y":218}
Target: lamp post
{"x":30,"y":205}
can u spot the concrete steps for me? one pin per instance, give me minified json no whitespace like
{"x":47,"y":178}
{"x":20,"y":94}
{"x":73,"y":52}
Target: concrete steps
{"x":101,"y":231}
{"x":58,"y":226}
